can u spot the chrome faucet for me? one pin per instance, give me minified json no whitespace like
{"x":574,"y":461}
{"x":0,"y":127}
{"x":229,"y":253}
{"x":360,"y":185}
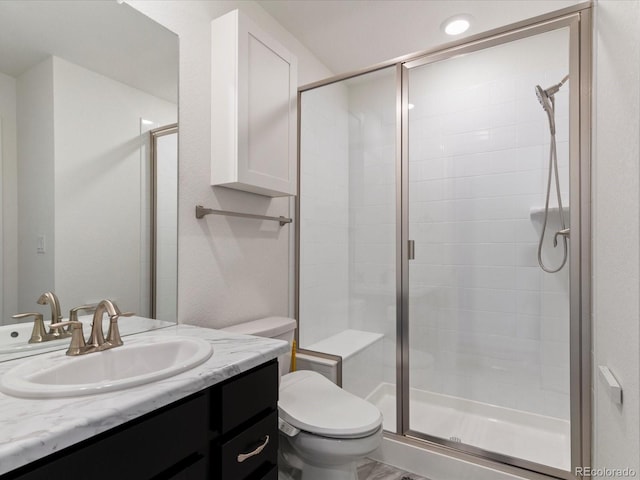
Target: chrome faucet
{"x":96,"y":338}
{"x":39,"y":333}
{"x":50,"y":298}
{"x":96,"y":342}
{"x":78,"y":345}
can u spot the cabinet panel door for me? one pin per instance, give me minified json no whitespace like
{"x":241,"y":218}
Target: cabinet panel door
{"x":138,"y":450}
{"x":267,"y":79}
{"x":254,"y":85}
{"x":247,"y":397}
{"x":268,"y":94}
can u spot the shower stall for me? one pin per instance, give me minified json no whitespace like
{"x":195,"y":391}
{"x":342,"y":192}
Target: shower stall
{"x":443,"y":241}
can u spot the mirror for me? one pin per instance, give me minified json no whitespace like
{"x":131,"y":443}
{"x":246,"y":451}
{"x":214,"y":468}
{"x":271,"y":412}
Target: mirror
{"x":83,"y":86}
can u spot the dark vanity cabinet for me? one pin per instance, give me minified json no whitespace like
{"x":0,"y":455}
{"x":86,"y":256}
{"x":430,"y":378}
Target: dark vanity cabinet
{"x":226,"y":432}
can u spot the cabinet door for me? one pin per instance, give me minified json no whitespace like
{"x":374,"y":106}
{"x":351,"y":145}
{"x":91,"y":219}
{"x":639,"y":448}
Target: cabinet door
{"x":254,"y":98}
{"x":196,"y":470}
{"x":152,"y":446}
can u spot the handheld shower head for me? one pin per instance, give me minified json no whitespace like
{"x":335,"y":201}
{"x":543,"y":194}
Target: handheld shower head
{"x":547,"y":104}
{"x":545,"y":97}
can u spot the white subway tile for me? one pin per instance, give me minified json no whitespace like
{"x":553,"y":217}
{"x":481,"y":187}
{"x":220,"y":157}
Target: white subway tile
{"x":527,"y":255}
{"x":529,"y":278}
{"x":531,"y":133}
{"x":529,"y":302}
{"x":555,"y":329}
{"x":555,"y":379}
{"x":503,"y":137}
{"x":554,"y":352}
{"x":528,"y":326}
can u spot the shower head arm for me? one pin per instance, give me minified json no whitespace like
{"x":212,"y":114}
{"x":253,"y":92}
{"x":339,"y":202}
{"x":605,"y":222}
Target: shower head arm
{"x":551,"y":91}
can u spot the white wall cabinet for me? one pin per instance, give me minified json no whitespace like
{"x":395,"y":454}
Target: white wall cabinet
{"x":253,"y":109}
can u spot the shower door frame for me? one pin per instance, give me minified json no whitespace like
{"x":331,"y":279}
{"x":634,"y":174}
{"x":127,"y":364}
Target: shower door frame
{"x":153,"y":176}
{"x":579,"y":25}
{"x":578,"y":19}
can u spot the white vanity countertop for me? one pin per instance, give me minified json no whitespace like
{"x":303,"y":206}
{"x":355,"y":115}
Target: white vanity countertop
{"x":33,"y":429}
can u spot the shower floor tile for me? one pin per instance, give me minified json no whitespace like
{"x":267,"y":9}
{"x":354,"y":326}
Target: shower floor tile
{"x":372,"y":470}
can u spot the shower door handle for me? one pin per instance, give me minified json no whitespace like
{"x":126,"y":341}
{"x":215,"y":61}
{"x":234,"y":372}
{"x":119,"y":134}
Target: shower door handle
{"x":411,"y":249}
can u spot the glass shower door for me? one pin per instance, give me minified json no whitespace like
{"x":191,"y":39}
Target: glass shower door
{"x":488,"y":328}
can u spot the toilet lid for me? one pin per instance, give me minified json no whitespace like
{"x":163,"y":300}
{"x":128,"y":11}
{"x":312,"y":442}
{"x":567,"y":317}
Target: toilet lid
{"x":313,"y":403}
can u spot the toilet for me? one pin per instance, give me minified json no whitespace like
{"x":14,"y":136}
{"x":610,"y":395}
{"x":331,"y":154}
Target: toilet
{"x":324,"y":430}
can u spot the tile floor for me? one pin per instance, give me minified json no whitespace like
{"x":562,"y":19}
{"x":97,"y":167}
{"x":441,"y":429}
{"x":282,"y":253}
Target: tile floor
{"x":372,"y":470}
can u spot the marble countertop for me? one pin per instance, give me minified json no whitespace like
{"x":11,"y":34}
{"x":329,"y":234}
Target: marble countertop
{"x":32,"y":429}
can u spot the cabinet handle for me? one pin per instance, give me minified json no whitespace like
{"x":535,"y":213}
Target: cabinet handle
{"x":243,"y":456}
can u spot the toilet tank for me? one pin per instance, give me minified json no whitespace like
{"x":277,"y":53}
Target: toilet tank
{"x":282,"y":328}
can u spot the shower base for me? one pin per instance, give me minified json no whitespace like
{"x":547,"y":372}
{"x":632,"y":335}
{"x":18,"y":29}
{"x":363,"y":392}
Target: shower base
{"x":515,"y":433}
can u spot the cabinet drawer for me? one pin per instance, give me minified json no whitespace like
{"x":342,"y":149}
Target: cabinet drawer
{"x":262,"y":433}
{"x":246,"y":397}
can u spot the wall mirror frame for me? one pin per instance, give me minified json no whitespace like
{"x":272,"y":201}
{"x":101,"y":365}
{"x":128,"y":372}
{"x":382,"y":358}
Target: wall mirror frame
{"x":82,"y":85}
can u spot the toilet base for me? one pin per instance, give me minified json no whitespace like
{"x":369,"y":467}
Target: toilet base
{"x":312,"y":472}
{"x":307,"y":457}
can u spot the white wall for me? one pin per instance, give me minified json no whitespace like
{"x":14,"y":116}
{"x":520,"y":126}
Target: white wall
{"x":36,"y":200}
{"x":616,"y":207}
{"x":98,"y":185}
{"x":79,"y":184}
{"x":229,"y":269}
{"x":8,"y":199}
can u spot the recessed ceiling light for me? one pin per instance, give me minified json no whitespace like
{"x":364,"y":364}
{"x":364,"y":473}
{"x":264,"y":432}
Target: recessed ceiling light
{"x":456,"y":25}
{"x":411,"y":106}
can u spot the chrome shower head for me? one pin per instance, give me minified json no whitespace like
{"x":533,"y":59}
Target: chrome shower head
{"x":543,"y":98}
{"x":547,"y":104}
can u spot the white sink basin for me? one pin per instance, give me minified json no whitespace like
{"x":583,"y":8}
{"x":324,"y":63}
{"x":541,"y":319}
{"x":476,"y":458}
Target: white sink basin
{"x":137,"y":362}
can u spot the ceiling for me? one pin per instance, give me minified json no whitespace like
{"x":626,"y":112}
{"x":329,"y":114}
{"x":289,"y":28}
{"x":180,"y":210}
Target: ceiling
{"x":101,"y":35}
{"x":347,"y":35}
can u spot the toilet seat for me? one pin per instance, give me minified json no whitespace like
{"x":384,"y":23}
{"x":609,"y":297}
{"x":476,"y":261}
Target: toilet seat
{"x":313,"y":403}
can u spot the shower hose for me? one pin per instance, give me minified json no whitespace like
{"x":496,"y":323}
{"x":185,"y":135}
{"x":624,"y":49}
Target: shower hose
{"x":553,"y":171}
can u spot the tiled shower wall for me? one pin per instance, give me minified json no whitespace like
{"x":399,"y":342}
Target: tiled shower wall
{"x":324,"y":197}
{"x":486,"y":323}
{"x":372,"y":210}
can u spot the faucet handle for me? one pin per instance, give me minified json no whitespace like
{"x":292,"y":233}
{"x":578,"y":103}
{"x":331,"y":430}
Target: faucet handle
{"x":77,"y":345}
{"x":73,"y":313}
{"x":113,"y":335}
{"x":39,"y":333}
